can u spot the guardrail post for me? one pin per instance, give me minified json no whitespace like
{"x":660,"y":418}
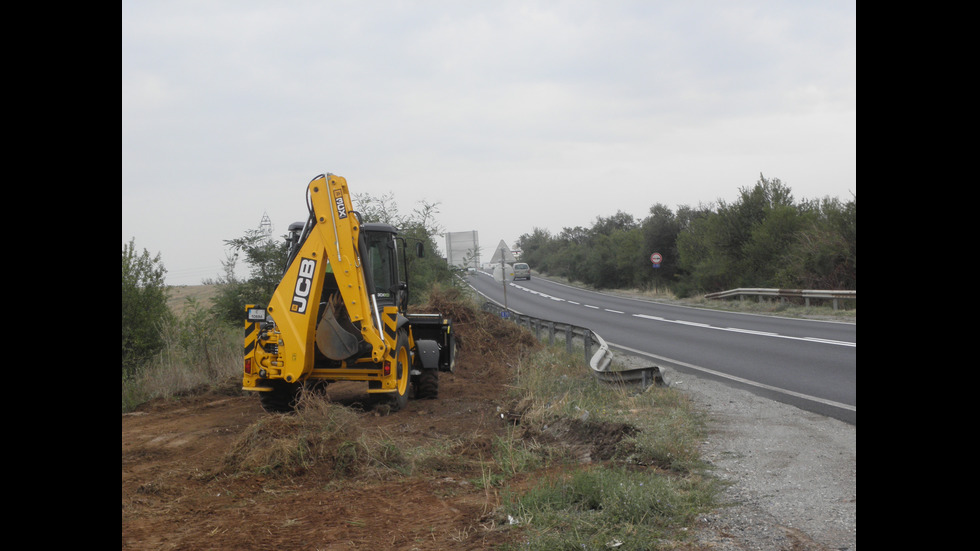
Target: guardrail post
{"x":551,"y":333}
{"x":587,"y":337}
{"x":568,"y":339}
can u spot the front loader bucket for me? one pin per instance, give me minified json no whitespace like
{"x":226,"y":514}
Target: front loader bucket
{"x":332,"y":339}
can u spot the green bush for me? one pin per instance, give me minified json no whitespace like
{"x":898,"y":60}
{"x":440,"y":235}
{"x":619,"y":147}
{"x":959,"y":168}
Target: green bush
{"x":144,"y":306}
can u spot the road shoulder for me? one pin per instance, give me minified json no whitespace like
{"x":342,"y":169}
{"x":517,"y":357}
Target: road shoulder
{"x":792,"y":474}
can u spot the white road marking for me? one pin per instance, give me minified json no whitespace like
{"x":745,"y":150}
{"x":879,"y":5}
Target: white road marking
{"x":746,"y":331}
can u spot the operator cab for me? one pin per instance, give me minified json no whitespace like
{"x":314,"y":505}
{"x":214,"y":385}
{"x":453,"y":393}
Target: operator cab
{"x":390,"y":284}
{"x":382,"y":262}
{"x":379,"y":255}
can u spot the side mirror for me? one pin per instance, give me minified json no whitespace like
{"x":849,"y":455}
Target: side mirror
{"x":419,"y":250}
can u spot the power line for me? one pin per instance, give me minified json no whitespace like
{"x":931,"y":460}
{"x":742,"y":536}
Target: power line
{"x":265,"y":225}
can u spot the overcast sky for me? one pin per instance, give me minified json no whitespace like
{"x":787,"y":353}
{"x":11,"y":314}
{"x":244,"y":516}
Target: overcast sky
{"x":510,"y":115}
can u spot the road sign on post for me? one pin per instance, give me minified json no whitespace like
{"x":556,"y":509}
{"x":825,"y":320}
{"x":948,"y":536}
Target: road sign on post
{"x":503,"y":273}
{"x":656,"y":258}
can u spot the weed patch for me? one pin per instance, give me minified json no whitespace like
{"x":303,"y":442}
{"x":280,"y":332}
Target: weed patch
{"x":609,"y":506}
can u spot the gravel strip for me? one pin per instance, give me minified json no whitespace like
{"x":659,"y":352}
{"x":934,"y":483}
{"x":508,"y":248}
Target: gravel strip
{"x":792,"y":473}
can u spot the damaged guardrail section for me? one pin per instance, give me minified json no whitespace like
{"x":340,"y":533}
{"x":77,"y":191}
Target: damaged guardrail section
{"x":599,"y":361}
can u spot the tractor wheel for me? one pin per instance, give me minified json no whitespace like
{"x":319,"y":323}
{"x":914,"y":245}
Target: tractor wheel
{"x":402,"y":372}
{"x":282,"y":397}
{"x":427,"y":385}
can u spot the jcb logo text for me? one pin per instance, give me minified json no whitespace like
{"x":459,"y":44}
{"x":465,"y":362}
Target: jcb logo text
{"x":304,"y":284}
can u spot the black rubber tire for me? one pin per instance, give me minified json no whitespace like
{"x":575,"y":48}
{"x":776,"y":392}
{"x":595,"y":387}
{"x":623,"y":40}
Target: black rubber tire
{"x":282,"y":397}
{"x":427,"y":385}
{"x":399,"y":398}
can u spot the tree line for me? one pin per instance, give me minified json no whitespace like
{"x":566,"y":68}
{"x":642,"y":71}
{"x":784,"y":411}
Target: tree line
{"x":764,"y":238}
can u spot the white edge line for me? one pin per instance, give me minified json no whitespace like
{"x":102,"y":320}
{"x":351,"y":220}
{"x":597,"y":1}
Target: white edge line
{"x":725,"y":375}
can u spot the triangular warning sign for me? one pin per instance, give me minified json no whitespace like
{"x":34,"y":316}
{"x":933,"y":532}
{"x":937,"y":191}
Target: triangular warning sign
{"x":502,"y":250}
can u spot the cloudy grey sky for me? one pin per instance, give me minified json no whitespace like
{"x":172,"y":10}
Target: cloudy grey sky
{"x":509,"y":114}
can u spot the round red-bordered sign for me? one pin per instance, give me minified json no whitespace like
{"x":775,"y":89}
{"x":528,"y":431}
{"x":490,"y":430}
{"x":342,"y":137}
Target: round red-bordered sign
{"x":656,"y":258}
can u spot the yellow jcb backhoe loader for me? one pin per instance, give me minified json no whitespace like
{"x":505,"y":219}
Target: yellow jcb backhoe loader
{"x":339,"y":312}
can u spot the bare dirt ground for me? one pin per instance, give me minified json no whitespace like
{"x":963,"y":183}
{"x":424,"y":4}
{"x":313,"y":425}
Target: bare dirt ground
{"x":792,"y":473}
{"x":178,"y":492}
{"x":174,"y":495}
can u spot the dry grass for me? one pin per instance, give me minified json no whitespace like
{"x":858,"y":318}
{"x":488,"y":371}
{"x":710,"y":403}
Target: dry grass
{"x":198,"y":352}
{"x":180,"y":295}
{"x":319,"y":434}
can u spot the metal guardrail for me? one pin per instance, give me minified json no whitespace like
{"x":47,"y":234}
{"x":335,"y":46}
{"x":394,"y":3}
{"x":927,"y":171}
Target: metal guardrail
{"x":599,"y":361}
{"x":785,"y":294}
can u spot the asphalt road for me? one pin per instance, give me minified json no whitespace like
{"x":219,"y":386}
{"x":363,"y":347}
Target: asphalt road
{"x":806,"y":363}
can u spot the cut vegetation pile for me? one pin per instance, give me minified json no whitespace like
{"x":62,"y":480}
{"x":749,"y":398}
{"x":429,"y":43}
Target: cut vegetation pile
{"x":523,"y":449}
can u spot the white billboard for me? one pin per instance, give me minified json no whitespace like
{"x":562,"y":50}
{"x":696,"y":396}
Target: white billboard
{"x":463,"y":249}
